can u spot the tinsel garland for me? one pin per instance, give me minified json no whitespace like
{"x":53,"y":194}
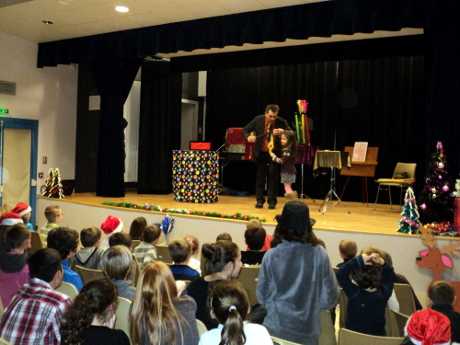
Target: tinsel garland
{"x":157,"y":208}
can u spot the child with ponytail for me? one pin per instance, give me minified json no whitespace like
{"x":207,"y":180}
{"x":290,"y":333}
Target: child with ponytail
{"x":229,"y":304}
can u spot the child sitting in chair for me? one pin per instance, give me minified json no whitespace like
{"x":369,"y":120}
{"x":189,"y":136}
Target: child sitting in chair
{"x":367,"y":280}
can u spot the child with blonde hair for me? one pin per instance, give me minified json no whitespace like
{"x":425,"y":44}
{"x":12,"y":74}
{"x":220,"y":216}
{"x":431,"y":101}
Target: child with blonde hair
{"x":194,"y":262}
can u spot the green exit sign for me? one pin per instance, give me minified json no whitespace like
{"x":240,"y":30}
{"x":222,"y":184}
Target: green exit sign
{"x":3,"y":111}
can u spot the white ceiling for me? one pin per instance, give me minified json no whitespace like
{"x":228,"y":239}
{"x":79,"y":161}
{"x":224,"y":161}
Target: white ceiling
{"x":23,"y":18}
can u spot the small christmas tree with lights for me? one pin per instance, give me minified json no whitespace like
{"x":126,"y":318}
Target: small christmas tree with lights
{"x":48,"y":184}
{"x":56,"y":191}
{"x":436,"y":201}
{"x":409,"y":222}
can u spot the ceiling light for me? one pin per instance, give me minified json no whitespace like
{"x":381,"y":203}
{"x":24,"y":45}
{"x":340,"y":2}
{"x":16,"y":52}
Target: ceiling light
{"x":122,"y":9}
{"x":47,"y":22}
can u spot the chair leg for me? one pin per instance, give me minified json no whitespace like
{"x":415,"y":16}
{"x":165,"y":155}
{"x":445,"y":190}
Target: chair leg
{"x":377,"y":197}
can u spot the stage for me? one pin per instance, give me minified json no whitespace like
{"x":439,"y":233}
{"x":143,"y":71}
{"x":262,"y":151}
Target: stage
{"x":345,"y":216}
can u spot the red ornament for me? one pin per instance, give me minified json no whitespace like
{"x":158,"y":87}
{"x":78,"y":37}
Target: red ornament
{"x":222,"y":216}
{"x":235,"y":217}
{"x":204,"y":214}
{"x":163,"y":210}
{"x":135,"y":206}
{"x":191,"y":212}
{"x":147,"y":208}
{"x":245,"y":217}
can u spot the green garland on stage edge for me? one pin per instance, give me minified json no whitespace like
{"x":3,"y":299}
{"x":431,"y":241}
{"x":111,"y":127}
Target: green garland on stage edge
{"x":151,"y":207}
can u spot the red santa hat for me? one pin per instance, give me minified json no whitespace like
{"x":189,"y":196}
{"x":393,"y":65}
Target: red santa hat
{"x":10,"y":219}
{"x":22,"y":209}
{"x":112,"y":225}
{"x":428,"y":327}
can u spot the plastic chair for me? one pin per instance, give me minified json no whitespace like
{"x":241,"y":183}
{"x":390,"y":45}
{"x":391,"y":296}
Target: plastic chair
{"x":36,"y":242}
{"x":163,"y":254}
{"x":137,"y":267}
{"x":327,"y":336}
{"x":405,"y":298}
{"x":249,"y":277}
{"x":87,"y":274}
{"x":408,"y":168}
{"x":347,"y":337}
{"x":134,"y":244}
{"x":4,"y":342}
{"x":400,"y":323}
{"x":1,"y":308}
{"x":122,"y":312}
{"x":68,"y":289}
{"x":201,"y":327}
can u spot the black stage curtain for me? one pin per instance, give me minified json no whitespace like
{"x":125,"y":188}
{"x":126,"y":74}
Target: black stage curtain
{"x":113,"y":80}
{"x":159,"y":127}
{"x":380,"y":101}
{"x":322,"y":19}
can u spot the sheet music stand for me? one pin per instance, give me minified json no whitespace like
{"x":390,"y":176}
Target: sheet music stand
{"x":306,"y":154}
{"x":333,"y":160}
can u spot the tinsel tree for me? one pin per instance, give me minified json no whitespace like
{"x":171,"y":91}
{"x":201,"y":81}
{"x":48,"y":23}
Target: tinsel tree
{"x":436,"y":200}
{"x":48,"y":183}
{"x":56,"y":191}
{"x":409,"y":222}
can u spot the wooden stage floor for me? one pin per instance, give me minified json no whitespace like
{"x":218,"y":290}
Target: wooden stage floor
{"x":346,"y":216}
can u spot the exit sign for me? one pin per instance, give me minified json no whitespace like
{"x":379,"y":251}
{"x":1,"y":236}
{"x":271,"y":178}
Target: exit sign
{"x":3,"y":111}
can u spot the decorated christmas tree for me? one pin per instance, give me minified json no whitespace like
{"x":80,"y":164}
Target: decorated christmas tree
{"x":56,"y":191}
{"x":436,"y":200}
{"x":48,"y":183}
{"x":409,"y":222}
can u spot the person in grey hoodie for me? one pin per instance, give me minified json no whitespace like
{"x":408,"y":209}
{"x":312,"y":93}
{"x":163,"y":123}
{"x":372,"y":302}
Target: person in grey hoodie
{"x":90,"y":255}
{"x":296,"y":280}
{"x":116,"y":264}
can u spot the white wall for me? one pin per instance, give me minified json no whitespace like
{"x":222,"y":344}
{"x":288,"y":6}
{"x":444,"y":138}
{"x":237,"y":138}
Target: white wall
{"x":46,"y":94}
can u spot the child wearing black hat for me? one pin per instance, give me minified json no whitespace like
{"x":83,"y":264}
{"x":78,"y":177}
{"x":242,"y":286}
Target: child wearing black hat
{"x":368,"y":291}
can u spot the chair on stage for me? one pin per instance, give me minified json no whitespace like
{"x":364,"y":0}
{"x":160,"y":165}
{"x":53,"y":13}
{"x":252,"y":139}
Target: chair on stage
{"x":87,"y":274}
{"x":403,"y":177}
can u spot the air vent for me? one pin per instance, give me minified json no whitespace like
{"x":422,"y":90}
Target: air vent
{"x":7,"y":88}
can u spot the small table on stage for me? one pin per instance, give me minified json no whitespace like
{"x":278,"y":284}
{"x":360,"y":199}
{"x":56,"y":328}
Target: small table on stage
{"x":195,"y":176}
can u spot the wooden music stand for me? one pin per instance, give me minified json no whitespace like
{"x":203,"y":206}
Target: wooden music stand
{"x":361,"y":169}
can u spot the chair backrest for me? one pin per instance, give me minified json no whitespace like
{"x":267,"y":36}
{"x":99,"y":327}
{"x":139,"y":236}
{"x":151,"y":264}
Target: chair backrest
{"x":327,"y":336}
{"x":201,"y":327}
{"x":405,"y":298}
{"x":408,"y":168}
{"x":122,"y":312}
{"x":163,"y":254}
{"x":134,"y":244}
{"x":400,"y":323}
{"x":249,"y":277}
{"x":347,"y":337}
{"x":4,"y":342}
{"x":68,"y":289}
{"x":87,"y":274}
{"x":279,"y":341}
{"x":36,"y":242}
{"x":137,"y":267}
{"x":1,"y":308}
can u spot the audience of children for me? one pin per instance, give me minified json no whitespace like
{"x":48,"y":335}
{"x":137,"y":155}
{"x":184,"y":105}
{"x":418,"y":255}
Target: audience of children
{"x":161,"y":314}
{"x":367,"y":280}
{"x":137,"y":228}
{"x":146,"y":252}
{"x":180,"y":253}
{"x":229,"y":305}
{"x":255,"y":240}
{"x":90,"y":255}
{"x":256,"y":224}
{"x":427,"y":327}
{"x":14,"y":271}
{"x":91,"y":318}
{"x":34,"y":315}
{"x":287,"y":160}
{"x":116,"y":264}
{"x":442,"y":297}
{"x":53,"y":215}
{"x":222,"y":262}
{"x":296,"y":280}
{"x":194,"y":262}
{"x":7,"y":220}
{"x":24,"y":211}
{"x":110,"y":226}
{"x":347,"y":251}
{"x":65,"y":241}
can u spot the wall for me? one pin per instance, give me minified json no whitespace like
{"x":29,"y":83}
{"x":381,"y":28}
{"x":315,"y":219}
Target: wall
{"x":45,"y":94}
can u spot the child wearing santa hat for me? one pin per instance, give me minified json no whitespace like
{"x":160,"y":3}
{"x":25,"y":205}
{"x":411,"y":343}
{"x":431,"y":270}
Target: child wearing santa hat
{"x":427,"y":327}
{"x":110,"y":226}
{"x":24,"y":211}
